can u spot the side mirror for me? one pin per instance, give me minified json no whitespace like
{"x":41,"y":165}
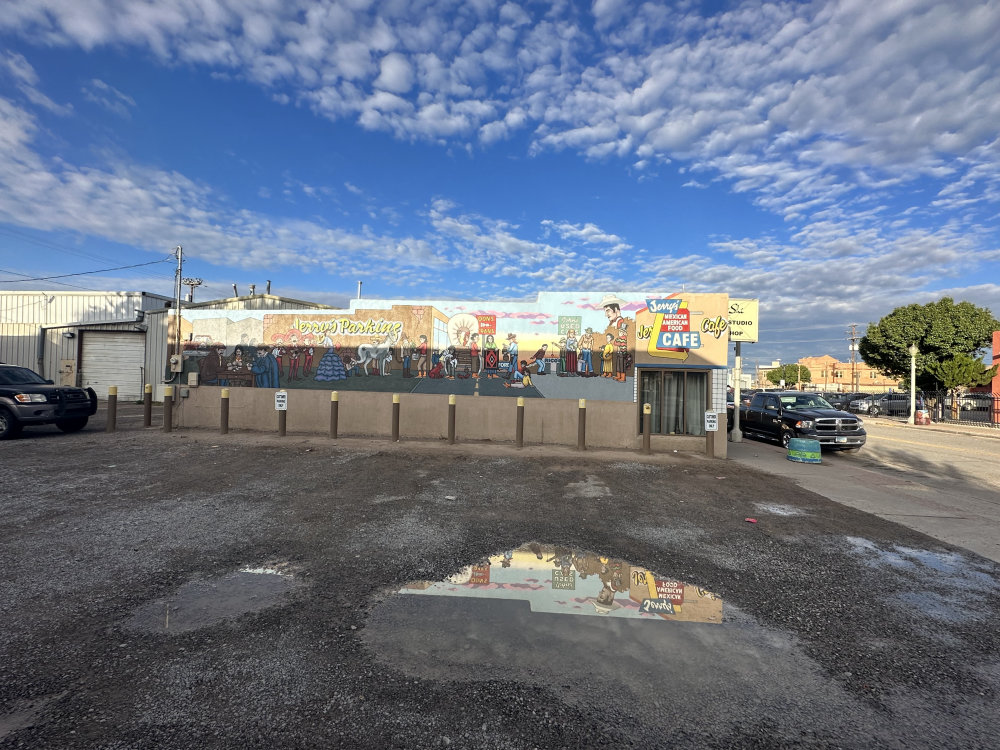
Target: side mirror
{"x":50,"y":382}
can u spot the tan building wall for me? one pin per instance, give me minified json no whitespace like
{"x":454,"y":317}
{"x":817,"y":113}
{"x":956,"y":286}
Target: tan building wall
{"x":830,"y":374}
{"x":610,"y":424}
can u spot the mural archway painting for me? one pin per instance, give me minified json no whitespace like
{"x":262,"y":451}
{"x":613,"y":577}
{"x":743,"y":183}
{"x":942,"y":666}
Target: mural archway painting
{"x":563,"y":345}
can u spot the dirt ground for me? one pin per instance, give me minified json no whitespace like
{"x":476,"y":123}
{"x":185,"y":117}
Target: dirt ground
{"x":99,"y":530}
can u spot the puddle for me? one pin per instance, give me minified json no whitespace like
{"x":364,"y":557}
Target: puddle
{"x":642,"y":643}
{"x":559,"y":580}
{"x":198,"y":604}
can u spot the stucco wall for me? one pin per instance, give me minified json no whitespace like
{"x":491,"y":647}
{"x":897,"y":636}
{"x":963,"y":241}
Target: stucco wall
{"x":610,"y":424}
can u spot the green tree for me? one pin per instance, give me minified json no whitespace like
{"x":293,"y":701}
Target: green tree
{"x":961,"y":370}
{"x":941,"y":330}
{"x":790,"y":373}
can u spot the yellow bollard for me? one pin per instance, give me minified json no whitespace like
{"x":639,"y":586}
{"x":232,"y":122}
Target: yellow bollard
{"x":111,"y":424}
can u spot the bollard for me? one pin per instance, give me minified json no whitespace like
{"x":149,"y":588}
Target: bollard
{"x":334,"y":413}
{"x":647,"y":418}
{"x":282,"y":422}
{"x":581,"y":426}
{"x":520,"y":422}
{"x":112,"y":421}
{"x":147,"y":405}
{"x":224,"y":413}
{"x":451,"y":419}
{"x":395,"y":417}
{"x":168,"y":408}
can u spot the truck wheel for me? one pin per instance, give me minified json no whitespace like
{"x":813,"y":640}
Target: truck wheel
{"x":72,"y":425}
{"x":9,"y":427}
{"x":873,"y":411}
{"x":787,"y":433}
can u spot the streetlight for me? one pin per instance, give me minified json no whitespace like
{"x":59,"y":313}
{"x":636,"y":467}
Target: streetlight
{"x":913,"y":382}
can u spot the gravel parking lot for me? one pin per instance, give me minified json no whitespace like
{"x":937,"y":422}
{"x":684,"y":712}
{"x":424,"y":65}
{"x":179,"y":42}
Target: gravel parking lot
{"x":279,"y":558}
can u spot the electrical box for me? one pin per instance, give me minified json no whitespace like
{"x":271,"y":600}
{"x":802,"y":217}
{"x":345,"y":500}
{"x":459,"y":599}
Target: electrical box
{"x":176,"y":363}
{"x":193,"y":379}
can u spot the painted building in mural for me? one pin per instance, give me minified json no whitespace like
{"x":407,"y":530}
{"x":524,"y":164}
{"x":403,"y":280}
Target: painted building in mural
{"x":646,"y":348}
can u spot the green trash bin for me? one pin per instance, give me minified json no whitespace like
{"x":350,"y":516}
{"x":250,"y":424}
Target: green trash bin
{"x":804,"y":451}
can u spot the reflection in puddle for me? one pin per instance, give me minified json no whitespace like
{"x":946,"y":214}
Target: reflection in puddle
{"x":565,"y":581}
{"x":502,"y":622}
{"x":198,"y":604}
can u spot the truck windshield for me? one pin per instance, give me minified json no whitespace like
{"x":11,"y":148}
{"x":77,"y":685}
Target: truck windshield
{"x":19,"y":376}
{"x":806,"y":401}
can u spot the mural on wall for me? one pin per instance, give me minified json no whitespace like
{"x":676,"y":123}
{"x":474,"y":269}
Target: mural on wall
{"x":563,"y":345}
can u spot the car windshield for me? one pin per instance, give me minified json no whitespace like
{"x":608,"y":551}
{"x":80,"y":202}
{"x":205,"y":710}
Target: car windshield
{"x":806,"y":401}
{"x":19,"y":376}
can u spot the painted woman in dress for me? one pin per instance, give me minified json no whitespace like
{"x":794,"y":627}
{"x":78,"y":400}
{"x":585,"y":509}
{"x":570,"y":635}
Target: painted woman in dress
{"x":607,"y":365}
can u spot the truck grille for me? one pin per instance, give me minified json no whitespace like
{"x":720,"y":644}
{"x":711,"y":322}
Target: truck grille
{"x":830,"y":424}
{"x":69,"y":396}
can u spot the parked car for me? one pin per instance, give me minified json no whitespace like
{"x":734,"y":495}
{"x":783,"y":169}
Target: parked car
{"x":896,"y":404}
{"x":975,"y":401}
{"x":842,"y":401}
{"x":26,"y":398}
{"x":783,"y":415}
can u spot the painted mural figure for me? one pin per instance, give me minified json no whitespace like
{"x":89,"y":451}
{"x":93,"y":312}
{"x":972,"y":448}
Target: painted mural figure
{"x":491,"y":356}
{"x":309,"y":353}
{"x":607,"y":365}
{"x":212,"y":367}
{"x":278,"y":352}
{"x":538,"y":358}
{"x":476,"y":354}
{"x":618,"y":327}
{"x":294,"y":354}
{"x":265,"y":369}
{"x":586,"y":353}
{"x":422,"y":357}
{"x":520,"y":376}
{"x":510,"y":349}
{"x":406,"y":355}
{"x":571,"y":344}
{"x":331,"y":366}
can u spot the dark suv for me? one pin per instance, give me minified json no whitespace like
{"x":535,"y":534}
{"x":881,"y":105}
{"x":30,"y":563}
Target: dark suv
{"x":26,"y":398}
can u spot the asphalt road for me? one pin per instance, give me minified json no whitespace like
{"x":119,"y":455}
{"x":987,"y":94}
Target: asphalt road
{"x":205,"y":591}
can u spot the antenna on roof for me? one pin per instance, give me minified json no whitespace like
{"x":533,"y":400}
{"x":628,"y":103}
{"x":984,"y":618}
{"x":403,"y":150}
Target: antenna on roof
{"x":359,"y":290}
{"x":235,"y":293}
{"x":252,"y":288}
{"x":268,"y":286}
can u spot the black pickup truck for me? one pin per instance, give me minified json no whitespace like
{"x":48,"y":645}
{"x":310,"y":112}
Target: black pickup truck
{"x":783,"y":415}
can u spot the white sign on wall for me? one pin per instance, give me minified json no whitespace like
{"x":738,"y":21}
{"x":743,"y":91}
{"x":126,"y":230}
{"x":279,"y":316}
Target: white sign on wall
{"x":281,"y":401}
{"x":711,"y":421}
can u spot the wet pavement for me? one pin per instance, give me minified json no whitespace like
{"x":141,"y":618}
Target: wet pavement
{"x":195,"y":590}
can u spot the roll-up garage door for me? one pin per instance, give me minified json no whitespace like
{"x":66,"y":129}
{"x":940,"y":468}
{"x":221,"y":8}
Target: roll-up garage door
{"x":112,"y":358}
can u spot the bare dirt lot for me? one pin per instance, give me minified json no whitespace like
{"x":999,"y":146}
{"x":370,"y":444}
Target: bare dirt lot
{"x":838,"y":628}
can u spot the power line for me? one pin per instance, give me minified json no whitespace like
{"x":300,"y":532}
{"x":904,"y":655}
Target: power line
{"x":68,"y":275}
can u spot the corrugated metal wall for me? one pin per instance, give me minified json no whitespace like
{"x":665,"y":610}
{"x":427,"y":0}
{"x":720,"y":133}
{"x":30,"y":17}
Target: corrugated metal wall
{"x":23,"y":315}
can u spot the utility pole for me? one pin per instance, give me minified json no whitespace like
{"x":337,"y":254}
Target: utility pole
{"x":853,"y":335}
{"x":179,"y":254}
{"x":191,"y":284}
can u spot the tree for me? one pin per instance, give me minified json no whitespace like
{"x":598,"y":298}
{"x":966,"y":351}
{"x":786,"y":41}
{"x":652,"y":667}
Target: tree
{"x":941,"y":330}
{"x":790,"y":373}
{"x":961,"y":370}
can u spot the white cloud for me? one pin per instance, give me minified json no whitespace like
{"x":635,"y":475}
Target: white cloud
{"x":396,"y":74}
{"x":109,"y":97}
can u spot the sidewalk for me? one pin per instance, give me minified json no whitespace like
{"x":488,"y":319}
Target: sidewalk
{"x":951,"y":510}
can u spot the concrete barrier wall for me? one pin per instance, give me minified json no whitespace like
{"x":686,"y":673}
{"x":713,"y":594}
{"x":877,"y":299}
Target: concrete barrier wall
{"x":610,"y":424}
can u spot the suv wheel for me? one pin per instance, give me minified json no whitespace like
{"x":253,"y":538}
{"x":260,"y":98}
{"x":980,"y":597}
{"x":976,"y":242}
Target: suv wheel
{"x":72,"y":425}
{"x":787,"y":433}
{"x":873,"y":411}
{"x":9,"y":426}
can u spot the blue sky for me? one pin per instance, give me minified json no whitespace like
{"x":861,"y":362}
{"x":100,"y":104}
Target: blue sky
{"x":833,"y":159}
